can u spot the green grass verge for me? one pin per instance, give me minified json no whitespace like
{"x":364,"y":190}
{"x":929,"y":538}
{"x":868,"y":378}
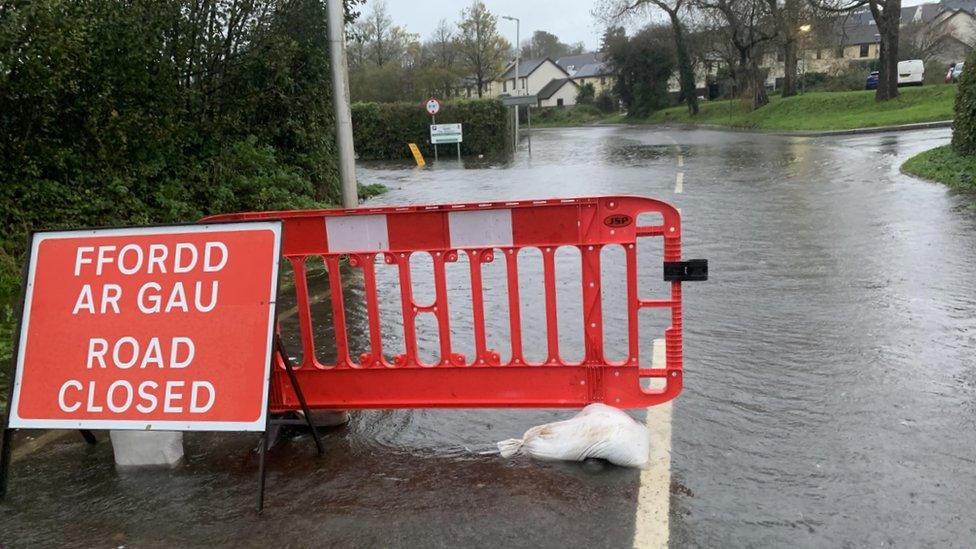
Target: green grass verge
{"x":942,"y":164}
{"x":370,"y":190}
{"x":822,"y":111}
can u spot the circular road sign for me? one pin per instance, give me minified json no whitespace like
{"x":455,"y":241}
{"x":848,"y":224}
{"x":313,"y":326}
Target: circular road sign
{"x":433,"y":106}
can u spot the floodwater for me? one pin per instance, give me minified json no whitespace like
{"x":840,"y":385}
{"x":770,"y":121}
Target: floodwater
{"x":830,"y":375}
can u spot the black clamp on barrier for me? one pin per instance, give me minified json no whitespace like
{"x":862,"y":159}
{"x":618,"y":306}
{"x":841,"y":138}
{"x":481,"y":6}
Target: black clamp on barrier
{"x":692,"y":270}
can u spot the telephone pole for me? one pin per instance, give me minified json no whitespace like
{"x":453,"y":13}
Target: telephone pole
{"x":340,"y":99}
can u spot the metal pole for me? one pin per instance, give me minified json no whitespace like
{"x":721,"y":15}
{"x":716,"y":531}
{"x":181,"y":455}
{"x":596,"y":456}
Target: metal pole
{"x":433,"y":121}
{"x":459,"y":150}
{"x":516,"y":87}
{"x":528,"y":116}
{"x":340,"y":100}
{"x":517,"y":55}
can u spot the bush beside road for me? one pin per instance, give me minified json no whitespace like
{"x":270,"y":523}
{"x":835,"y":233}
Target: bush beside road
{"x":381,"y":131}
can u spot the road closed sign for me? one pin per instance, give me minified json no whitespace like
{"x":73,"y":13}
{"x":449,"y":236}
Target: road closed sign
{"x":164,"y":328}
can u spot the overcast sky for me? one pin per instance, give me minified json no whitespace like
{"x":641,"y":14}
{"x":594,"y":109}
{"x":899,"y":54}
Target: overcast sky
{"x":570,"y":20}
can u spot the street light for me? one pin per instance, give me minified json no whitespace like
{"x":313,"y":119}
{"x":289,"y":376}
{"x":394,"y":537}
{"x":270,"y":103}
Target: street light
{"x":517,"y":23}
{"x":804,"y":30}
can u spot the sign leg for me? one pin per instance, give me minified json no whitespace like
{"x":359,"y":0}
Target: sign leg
{"x":88,"y":436}
{"x":6,"y":449}
{"x":262,"y":454}
{"x":298,"y":392}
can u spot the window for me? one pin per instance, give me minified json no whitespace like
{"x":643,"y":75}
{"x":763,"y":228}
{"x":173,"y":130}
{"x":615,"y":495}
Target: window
{"x":504,"y":85}
{"x":819,"y":54}
{"x":603,"y":80}
{"x":839,"y":52}
{"x":559,"y":102}
{"x":864,"y":50}
{"x":780,"y":56}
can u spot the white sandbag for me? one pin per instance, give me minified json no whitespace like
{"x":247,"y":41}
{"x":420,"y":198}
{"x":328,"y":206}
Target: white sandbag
{"x":598,"y":431}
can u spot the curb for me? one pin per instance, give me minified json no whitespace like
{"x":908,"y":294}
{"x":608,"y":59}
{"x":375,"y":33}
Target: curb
{"x":877,"y":129}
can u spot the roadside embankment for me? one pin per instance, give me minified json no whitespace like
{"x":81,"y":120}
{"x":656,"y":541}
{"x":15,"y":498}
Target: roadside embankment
{"x":820,"y":111}
{"x":944,"y":165}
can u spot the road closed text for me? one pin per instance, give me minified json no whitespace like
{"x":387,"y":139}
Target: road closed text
{"x":122,"y":396}
{"x":145,"y":328}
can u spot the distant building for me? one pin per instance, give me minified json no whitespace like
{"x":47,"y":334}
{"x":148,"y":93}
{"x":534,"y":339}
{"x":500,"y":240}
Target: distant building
{"x":555,"y":82}
{"x":589,"y":68}
{"x":944,"y":33}
{"x":559,"y":92}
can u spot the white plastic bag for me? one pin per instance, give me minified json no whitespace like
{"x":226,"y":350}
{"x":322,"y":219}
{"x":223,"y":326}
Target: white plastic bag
{"x":598,"y":431}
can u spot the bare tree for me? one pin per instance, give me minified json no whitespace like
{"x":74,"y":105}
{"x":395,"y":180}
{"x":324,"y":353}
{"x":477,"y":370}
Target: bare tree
{"x":787,"y":17}
{"x":482,"y":49}
{"x":887,"y":17}
{"x":612,"y":11}
{"x":443,"y":44}
{"x":749,"y":29}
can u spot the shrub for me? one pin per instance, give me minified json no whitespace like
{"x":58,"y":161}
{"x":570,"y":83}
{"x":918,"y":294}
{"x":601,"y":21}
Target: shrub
{"x":964,"y":125}
{"x":112,"y":115}
{"x":851,"y":78}
{"x":585,"y":94}
{"x":381,"y":131}
{"x":606,"y":102}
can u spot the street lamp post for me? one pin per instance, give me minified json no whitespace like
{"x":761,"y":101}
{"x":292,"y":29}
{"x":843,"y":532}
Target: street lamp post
{"x":804,"y":30}
{"x":510,"y":18}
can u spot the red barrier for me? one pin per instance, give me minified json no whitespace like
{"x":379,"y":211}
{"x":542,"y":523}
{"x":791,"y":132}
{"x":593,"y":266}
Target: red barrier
{"x":361,"y":236}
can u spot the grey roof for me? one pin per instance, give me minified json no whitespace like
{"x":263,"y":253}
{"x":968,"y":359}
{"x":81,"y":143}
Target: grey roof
{"x":923,"y":12}
{"x":525,"y":68}
{"x":965,"y":5}
{"x":593,"y":69}
{"x":573,"y":63}
{"x":553,"y":86}
{"x":860,"y":34}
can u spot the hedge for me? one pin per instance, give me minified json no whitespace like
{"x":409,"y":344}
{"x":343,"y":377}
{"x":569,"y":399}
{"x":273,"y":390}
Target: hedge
{"x":964,"y":126}
{"x":381,"y":131}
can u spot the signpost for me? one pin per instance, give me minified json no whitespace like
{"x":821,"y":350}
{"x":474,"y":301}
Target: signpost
{"x":433,"y":106}
{"x":152,"y":328}
{"x":526,"y":101}
{"x":443,"y":134}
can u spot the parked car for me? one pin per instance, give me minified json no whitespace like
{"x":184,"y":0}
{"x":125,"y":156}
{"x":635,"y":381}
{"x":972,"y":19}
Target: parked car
{"x":911,"y":72}
{"x":948,"y":76}
{"x":872,"y":83}
{"x":957,"y":72}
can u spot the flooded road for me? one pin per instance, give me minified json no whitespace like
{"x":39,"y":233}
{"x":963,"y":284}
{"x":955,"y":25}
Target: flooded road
{"x":830,"y":379}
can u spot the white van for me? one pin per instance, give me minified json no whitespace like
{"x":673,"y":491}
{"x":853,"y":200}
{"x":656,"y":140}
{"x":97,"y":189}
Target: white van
{"x":911,"y":72}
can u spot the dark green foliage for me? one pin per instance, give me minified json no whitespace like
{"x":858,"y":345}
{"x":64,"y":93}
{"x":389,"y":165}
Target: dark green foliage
{"x":586,"y":94}
{"x":964,"y":125}
{"x":643,"y":64}
{"x":382,"y":130}
{"x":606,"y":102}
{"x":131,"y":112}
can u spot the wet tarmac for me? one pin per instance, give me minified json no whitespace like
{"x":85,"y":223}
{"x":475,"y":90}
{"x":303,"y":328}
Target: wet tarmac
{"x":830,"y":378}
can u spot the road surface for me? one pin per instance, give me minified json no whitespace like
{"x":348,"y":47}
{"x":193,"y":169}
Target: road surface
{"x":830,"y":385}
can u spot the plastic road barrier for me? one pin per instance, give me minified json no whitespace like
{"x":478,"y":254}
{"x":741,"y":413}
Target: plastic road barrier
{"x":481,"y":231}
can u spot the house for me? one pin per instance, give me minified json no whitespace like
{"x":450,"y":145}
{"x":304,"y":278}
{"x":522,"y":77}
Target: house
{"x":533,"y":75}
{"x":555,"y":82}
{"x":559,"y":92}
